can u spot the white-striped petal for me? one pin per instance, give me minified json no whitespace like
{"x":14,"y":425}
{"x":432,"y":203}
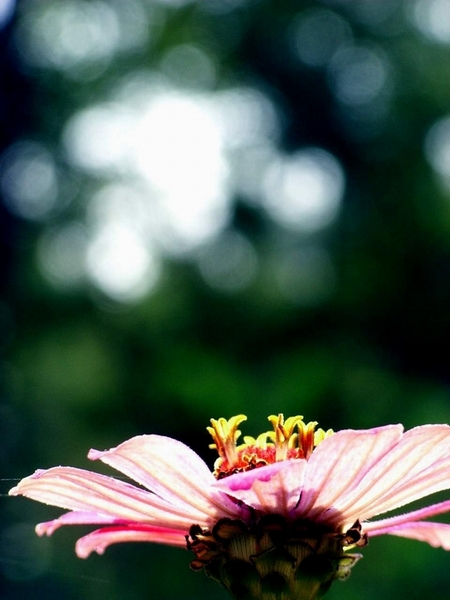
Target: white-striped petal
{"x":417,"y":466}
{"x":81,"y":490}
{"x":338,"y":466}
{"x":171,"y":470}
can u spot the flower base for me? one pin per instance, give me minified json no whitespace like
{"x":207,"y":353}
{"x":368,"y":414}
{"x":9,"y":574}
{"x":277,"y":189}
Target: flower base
{"x":274,"y":559}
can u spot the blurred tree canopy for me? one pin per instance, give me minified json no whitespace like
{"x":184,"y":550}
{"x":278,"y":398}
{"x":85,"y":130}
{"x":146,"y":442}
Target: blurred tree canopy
{"x":211,"y":207}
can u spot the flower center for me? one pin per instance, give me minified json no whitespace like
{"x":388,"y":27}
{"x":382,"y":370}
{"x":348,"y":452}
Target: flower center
{"x":289,"y":439}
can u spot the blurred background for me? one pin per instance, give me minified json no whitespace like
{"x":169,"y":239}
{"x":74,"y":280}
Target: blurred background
{"x":211,"y":207}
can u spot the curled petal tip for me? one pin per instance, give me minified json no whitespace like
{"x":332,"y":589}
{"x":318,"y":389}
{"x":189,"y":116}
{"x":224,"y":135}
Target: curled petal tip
{"x":17,"y":490}
{"x":95,"y":454}
{"x":83,"y":550}
{"x":43,"y":529}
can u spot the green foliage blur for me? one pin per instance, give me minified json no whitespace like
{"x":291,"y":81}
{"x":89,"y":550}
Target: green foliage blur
{"x":315,"y":282}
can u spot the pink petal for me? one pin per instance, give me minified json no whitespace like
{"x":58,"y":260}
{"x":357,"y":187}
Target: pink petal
{"x":338,"y":466}
{"x":80,"y":490}
{"x":410,"y":517}
{"x":275,"y":488}
{"x":75,"y":518}
{"x":99,"y":540}
{"x":435,"y":534}
{"x":417,"y":466}
{"x":170,"y":469}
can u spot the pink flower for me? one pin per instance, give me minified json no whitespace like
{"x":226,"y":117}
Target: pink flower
{"x":306,"y":485}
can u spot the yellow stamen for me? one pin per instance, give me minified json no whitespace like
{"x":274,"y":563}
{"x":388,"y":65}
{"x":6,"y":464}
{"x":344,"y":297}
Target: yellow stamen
{"x":284,"y":433}
{"x":290,"y":439}
{"x":260,"y":441}
{"x":321,"y":435}
{"x":225,"y":433}
{"x":306,"y":436}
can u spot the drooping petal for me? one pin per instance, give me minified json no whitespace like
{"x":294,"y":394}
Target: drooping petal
{"x":409,"y":517}
{"x":435,"y":534}
{"x":339,"y":464}
{"x":274,"y":488}
{"x":99,"y":540}
{"x":81,"y":490}
{"x":170,"y":469}
{"x":417,"y":466}
{"x":76,"y":518}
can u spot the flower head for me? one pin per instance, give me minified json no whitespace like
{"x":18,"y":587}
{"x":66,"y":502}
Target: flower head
{"x":280,"y":511}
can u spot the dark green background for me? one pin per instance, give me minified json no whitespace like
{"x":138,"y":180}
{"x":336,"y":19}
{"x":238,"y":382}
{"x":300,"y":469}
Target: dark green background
{"x":80,"y":370}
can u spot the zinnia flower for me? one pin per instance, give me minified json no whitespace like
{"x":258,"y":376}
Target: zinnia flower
{"x":276,"y":518}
